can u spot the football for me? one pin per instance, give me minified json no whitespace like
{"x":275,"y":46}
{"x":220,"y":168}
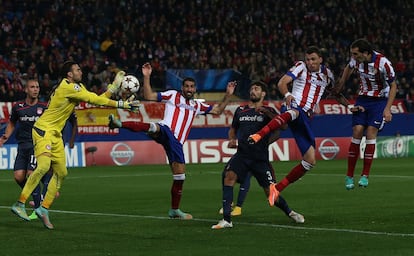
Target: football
{"x":130,"y":84}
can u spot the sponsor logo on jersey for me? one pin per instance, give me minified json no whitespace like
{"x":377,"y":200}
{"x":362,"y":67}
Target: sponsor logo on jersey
{"x":317,"y":82}
{"x":255,"y":118}
{"x":367,"y":76}
{"x":29,"y":118}
{"x":185,"y":106}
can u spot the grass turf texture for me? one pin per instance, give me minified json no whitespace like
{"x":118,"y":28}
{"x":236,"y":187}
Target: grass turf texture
{"x":123,"y":211}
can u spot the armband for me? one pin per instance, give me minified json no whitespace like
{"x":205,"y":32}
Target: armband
{"x":288,"y":94}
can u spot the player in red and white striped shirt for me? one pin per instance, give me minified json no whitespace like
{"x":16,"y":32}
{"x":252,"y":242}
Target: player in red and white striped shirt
{"x":376,"y":94}
{"x":172,"y":131}
{"x":180,"y":110}
{"x":309,"y":80}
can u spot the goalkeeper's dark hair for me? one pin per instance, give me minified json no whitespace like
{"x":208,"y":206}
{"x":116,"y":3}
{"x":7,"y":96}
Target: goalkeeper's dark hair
{"x":66,"y":67}
{"x":363,"y":45}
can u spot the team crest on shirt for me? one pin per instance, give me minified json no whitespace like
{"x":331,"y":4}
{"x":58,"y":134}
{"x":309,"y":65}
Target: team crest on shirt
{"x":372,"y":70}
{"x":76,"y":87}
{"x":39,"y":111}
{"x":48,"y":147}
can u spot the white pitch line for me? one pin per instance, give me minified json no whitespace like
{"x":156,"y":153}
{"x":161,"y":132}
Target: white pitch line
{"x":354,"y":231}
{"x":167,"y":173}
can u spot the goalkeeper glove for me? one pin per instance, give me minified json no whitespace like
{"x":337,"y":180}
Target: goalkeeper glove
{"x":130,"y":104}
{"x":116,"y":84}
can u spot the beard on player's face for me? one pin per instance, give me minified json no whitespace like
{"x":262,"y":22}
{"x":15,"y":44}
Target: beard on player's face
{"x":254,"y":98}
{"x":188,"y":95}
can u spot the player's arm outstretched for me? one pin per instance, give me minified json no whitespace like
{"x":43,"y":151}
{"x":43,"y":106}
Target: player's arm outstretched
{"x":149,"y":94}
{"x":113,"y":88}
{"x":80,"y":93}
{"x":219,"y":108}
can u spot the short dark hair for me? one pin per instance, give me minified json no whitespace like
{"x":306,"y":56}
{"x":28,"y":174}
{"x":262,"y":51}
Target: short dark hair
{"x":66,"y":67}
{"x":261,"y":84}
{"x":363,"y":45}
{"x":314,"y":49}
{"x":190,"y":79}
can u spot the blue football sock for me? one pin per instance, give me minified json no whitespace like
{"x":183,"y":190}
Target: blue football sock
{"x":227,"y":200}
{"x":282,"y":204}
{"x":244,"y":188}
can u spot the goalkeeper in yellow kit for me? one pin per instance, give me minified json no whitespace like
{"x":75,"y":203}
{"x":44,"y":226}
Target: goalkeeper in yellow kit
{"x":47,"y":137}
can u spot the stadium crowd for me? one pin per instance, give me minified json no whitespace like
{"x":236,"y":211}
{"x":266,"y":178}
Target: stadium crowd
{"x":258,"y":39}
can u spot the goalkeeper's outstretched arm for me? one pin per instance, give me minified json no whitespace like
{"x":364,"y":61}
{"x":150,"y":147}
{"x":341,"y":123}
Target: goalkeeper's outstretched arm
{"x":113,"y":88}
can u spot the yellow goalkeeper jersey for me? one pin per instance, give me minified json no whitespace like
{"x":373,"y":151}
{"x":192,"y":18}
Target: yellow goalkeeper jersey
{"x":63,"y":102}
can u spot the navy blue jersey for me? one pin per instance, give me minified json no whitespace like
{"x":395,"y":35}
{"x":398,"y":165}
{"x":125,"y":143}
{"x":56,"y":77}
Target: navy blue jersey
{"x":247,"y":121}
{"x":24,"y":116}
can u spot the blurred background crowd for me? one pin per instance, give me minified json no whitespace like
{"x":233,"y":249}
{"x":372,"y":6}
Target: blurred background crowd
{"x":258,"y":39}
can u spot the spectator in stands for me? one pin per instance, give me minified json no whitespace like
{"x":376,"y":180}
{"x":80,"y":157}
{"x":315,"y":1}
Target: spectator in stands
{"x":4,"y":95}
{"x":46,"y":85}
{"x":269,"y":34}
{"x":17,"y":85}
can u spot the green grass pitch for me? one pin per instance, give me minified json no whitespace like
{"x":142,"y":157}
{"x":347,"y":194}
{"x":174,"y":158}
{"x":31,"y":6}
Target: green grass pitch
{"x":123,"y":211}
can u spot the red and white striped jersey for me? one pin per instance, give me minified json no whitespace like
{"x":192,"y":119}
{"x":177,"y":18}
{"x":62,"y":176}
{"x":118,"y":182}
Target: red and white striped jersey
{"x":375,"y":76}
{"x":308,"y":87}
{"x":179,"y":112}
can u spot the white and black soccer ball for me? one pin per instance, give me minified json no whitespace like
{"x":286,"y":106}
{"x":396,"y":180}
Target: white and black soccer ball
{"x":130,"y":84}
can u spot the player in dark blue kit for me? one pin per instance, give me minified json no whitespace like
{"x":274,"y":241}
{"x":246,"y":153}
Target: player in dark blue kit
{"x":253,"y":158}
{"x":23,"y":116}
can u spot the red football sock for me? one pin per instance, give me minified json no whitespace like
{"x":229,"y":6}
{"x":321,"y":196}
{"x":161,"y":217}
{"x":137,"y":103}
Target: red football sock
{"x":368,"y":158}
{"x":353,"y":154}
{"x":275,"y":123}
{"x":136,"y":126}
{"x":176,"y":192}
{"x":296,"y":173}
